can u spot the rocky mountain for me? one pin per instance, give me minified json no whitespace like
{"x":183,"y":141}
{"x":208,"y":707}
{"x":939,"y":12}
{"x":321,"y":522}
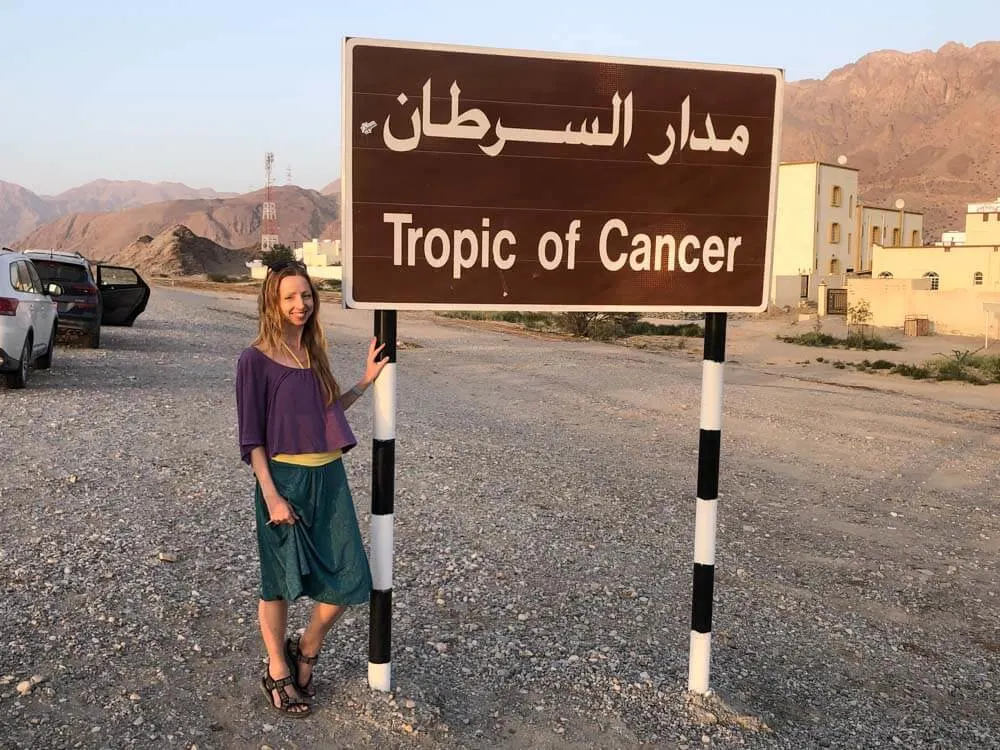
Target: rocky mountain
{"x":230,"y":222}
{"x":114,"y":195}
{"x":332,"y":189}
{"x":180,"y":252}
{"x":920,"y":126}
{"x":22,"y":211}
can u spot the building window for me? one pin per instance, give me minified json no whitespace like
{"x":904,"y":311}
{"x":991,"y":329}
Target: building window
{"x":977,"y":278}
{"x":935,"y":281}
{"x":835,"y":233}
{"x":885,"y":275}
{"x":850,"y":206}
{"x":876,"y":235}
{"x":895,"y":238}
{"x":986,"y":217}
{"x":915,"y":238}
{"x":834,"y":266}
{"x":837,"y":197}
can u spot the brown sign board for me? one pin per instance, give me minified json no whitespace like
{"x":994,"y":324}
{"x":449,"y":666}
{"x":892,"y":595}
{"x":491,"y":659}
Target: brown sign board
{"x":486,"y":179}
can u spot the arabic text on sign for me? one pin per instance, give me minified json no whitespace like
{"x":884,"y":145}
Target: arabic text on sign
{"x":473,"y":124}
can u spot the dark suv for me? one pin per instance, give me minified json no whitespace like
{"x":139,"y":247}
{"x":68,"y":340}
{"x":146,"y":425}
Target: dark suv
{"x":80,"y":307}
{"x":93,"y":295}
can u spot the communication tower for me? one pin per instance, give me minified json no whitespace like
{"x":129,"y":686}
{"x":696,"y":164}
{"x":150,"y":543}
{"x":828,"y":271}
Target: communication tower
{"x":269,"y":211}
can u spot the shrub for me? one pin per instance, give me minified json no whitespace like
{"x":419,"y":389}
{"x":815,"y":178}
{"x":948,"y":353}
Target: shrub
{"x":277,"y":253}
{"x":600,"y":326}
{"x":853,"y":341}
{"x":875,"y":343}
{"x":881,"y":364}
{"x":813,"y":338}
{"x":912,"y":371}
{"x":642,"y":328}
{"x":594,"y":325}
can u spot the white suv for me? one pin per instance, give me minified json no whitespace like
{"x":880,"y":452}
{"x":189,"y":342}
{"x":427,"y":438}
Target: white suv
{"x":28,"y":319}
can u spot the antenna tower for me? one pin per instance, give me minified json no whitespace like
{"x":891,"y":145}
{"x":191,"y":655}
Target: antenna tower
{"x":269,"y":211}
{"x":288,"y":175}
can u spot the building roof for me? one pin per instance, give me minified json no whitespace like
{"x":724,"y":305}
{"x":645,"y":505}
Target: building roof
{"x":946,"y":248}
{"x":983,"y":208}
{"x":892,"y":210}
{"x":820,"y":163}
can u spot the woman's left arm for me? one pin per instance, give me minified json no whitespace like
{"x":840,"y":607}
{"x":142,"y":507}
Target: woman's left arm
{"x":373,"y":367}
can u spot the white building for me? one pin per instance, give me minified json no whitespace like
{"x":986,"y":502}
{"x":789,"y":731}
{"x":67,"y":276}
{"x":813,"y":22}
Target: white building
{"x":953,"y":237}
{"x":321,"y":258}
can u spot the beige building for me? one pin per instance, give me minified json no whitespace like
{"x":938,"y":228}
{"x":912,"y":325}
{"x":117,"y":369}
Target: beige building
{"x":958,"y":312}
{"x":982,"y":224}
{"x":886,"y":226}
{"x":823,"y":232}
{"x":971,"y":267}
{"x":812,"y":231}
{"x":955,"y":287}
{"x":972,"y":264}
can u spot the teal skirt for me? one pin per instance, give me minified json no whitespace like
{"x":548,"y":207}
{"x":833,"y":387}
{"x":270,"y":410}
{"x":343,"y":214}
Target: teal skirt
{"x":321,"y":556}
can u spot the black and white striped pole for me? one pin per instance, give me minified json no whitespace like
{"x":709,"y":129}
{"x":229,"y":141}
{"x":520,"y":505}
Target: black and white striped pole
{"x":383,"y":489}
{"x":709,"y":445}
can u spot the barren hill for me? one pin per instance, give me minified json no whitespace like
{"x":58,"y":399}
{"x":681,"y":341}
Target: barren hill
{"x":232,"y":222}
{"x":21,"y":211}
{"x":114,"y":195}
{"x":180,"y":252}
{"x":921,"y":126}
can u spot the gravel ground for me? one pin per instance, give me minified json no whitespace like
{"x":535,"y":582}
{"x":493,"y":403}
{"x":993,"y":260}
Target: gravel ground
{"x":544,"y":528}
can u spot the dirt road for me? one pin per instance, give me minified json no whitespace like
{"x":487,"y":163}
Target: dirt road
{"x":544,"y":531}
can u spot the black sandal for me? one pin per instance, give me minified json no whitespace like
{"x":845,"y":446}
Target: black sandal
{"x":294,"y":656}
{"x":286,"y":703}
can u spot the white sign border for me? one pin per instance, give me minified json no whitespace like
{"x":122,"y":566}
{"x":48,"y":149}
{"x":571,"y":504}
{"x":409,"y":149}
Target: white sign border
{"x":346,"y":197}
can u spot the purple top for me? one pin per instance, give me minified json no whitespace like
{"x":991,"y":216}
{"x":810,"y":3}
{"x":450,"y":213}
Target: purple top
{"x":284,"y":409}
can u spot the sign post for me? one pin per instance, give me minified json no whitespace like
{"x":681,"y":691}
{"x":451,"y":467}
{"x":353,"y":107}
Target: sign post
{"x":491,"y":179}
{"x":383,"y":492}
{"x":709,"y":451}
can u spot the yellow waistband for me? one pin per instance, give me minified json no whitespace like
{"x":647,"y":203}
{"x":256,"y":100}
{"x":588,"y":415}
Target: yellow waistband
{"x":307,"y":459}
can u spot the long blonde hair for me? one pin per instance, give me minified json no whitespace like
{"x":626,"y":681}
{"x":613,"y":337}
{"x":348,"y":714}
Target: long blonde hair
{"x":269,"y":327}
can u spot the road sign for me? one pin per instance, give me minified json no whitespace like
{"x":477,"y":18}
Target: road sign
{"x":490,"y":179}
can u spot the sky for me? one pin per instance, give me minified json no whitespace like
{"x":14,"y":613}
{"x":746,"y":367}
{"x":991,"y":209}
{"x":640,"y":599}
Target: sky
{"x":196,"y":92}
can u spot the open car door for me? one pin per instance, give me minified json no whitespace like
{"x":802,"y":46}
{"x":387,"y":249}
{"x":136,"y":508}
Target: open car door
{"x":123,"y":294}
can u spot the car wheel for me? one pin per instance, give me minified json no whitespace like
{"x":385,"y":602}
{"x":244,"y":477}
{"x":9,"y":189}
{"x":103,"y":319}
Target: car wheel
{"x":19,"y":379}
{"x":94,"y":338}
{"x":45,"y":361}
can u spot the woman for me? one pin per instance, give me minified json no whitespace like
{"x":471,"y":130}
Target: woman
{"x":293,"y":432}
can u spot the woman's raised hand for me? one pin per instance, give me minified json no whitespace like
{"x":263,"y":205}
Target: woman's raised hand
{"x":372,"y":366}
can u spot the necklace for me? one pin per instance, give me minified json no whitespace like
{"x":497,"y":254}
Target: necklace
{"x":297,"y":360}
